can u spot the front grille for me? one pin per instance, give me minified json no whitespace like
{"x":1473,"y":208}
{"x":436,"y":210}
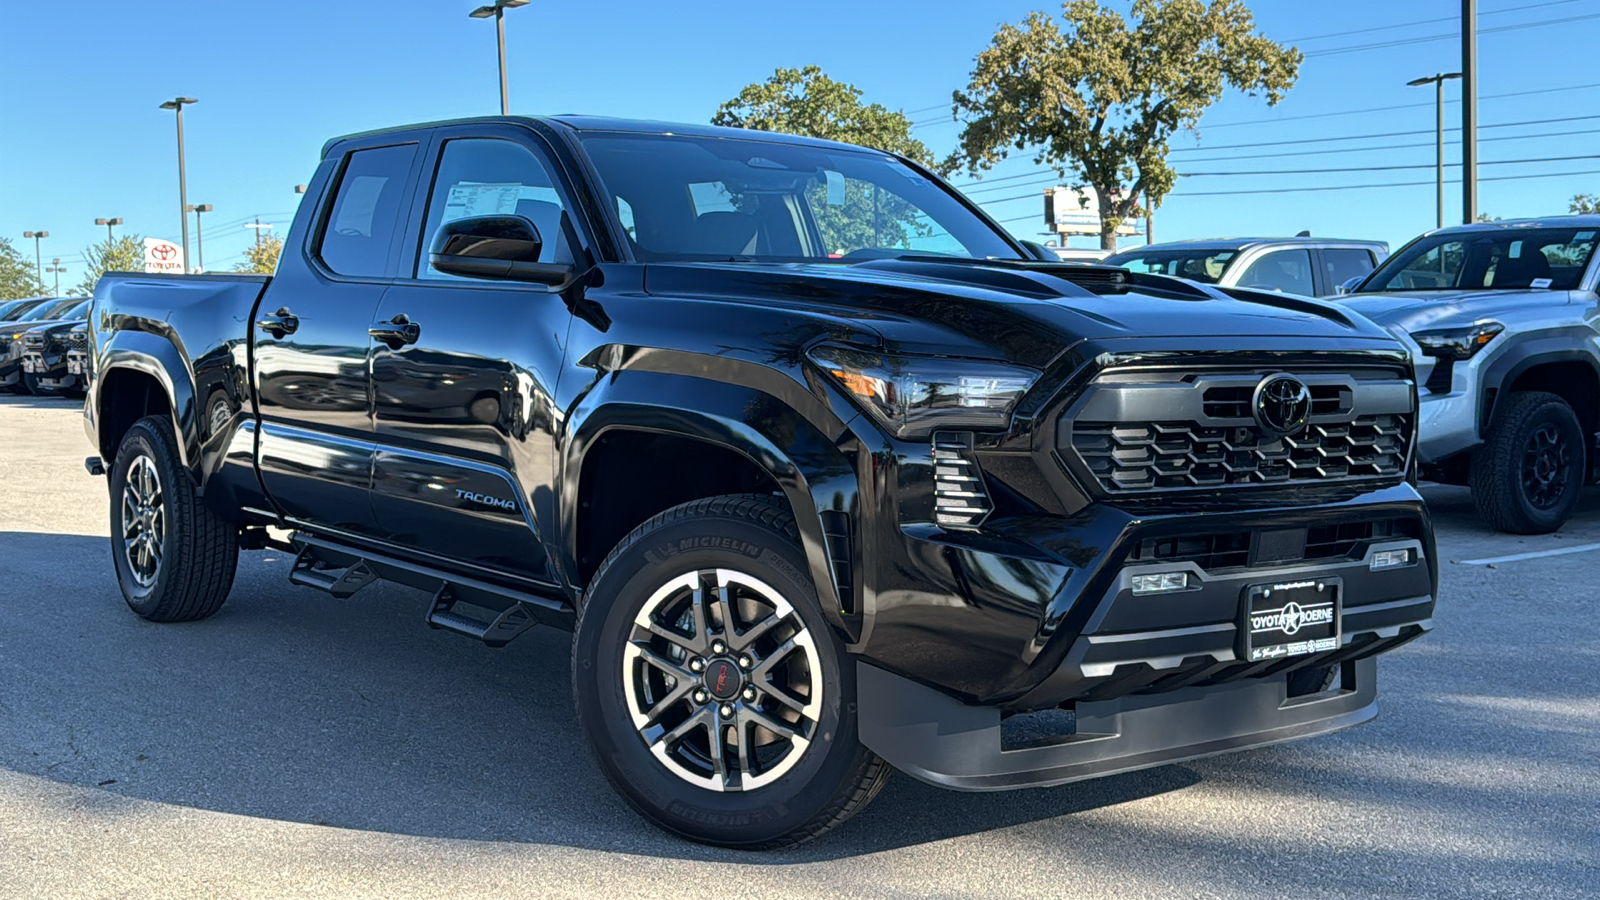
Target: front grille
{"x":33,"y":341}
{"x":78,"y":340}
{"x":1215,"y":550}
{"x":1198,"y":432}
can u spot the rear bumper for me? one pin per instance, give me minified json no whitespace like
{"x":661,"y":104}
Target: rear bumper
{"x":940,"y":740}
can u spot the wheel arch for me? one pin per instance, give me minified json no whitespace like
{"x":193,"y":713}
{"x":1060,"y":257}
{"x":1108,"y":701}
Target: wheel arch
{"x":1539,"y":365}
{"x":142,"y":374}
{"x":746,"y":438}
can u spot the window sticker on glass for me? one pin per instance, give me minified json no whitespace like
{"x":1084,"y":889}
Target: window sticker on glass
{"x":835,"y":187}
{"x":468,"y":199}
{"x":1539,"y":283}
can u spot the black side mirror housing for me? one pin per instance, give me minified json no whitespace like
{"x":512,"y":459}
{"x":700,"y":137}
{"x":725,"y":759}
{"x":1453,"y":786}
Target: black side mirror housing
{"x":500,"y":247}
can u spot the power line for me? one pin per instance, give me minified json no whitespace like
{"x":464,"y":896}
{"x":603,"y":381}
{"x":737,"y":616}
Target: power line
{"x":1496,"y":162}
{"x":1392,"y":184}
{"x":1492,"y":12}
{"x":1405,"y":42}
{"x":1373,"y":109}
{"x":1383,"y":134}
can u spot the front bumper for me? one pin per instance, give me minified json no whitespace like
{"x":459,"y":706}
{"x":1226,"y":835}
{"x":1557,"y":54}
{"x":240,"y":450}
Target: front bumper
{"x":50,"y":369}
{"x":1447,"y":424}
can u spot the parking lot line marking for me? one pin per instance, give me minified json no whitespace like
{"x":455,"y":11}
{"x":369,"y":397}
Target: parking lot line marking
{"x":1581,"y":548}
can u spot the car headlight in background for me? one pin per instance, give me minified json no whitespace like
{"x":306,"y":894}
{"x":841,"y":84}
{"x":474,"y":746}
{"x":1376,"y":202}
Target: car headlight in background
{"x":913,"y":396}
{"x":1458,"y":343}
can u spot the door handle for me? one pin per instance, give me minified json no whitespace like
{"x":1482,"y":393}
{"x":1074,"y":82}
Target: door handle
{"x":397,"y":332}
{"x":279,"y":323}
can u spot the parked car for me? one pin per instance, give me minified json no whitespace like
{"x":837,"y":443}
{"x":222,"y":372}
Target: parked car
{"x":51,"y":310}
{"x":78,"y":355}
{"x":1501,"y":319}
{"x":1079,"y":254}
{"x":933,"y":505}
{"x":1311,"y":267}
{"x":44,"y":356}
{"x":10,"y":309}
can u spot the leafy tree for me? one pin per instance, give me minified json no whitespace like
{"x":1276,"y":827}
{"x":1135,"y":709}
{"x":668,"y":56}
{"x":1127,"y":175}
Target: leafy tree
{"x":121,"y":254}
{"x":262,"y":258}
{"x":1099,"y":100}
{"x":808,"y":102}
{"x":1485,"y":217}
{"x":1584,"y":204}
{"x":18,"y":276}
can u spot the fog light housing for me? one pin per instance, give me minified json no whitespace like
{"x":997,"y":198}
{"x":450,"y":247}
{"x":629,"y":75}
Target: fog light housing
{"x":1391,"y":559}
{"x":1164,"y":583}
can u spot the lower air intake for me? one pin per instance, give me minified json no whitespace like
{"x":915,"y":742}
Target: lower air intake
{"x":959,"y":497}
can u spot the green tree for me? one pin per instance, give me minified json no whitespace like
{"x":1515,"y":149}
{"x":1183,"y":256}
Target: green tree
{"x":1584,"y":204}
{"x":1099,"y":100}
{"x":262,"y":258}
{"x":122,"y":254}
{"x":808,"y":102}
{"x":18,"y":276}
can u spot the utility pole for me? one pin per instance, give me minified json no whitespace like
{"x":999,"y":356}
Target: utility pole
{"x":1438,"y":82}
{"x":1469,"y":111}
{"x":56,"y":267}
{"x":498,"y":11}
{"x":108,"y":223}
{"x":177,"y":104}
{"x":258,"y":226}
{"x":38,"y":264}
{"x":199,"y":238}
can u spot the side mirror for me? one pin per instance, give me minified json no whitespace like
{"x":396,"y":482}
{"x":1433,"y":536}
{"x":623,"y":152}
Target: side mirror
{"x":1350,"y":284}
{"x":500,"y":247}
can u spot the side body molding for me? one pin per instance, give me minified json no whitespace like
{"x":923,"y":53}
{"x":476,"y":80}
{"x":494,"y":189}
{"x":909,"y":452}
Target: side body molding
{"x":804,"y":460}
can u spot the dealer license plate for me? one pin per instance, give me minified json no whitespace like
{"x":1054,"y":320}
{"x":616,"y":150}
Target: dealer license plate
{"x":74,"y":367}
{"x":1290,"y":618}
{"x":27,"y":365}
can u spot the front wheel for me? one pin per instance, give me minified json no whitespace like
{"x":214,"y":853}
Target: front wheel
{"x":1527,"y":476}
{"x":717,"y":699}
{"x":175,"y":558}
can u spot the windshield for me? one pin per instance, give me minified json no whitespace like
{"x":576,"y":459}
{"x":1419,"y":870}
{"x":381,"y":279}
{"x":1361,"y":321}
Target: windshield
{"x":12,"y":308}
{"x":682,"y":197}
{"x":51,"y":309}
{"x":1505,"y":258}
{"x":1204,"y":266}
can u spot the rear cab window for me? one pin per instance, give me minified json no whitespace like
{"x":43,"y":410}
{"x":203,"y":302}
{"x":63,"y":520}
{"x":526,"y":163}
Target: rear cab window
{"x":366,"y":212}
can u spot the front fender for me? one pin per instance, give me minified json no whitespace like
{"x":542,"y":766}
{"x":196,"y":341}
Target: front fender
{"x":803,"y":457}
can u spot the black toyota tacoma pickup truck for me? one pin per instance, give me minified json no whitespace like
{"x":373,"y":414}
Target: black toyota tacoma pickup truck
{"x":828,"y":474}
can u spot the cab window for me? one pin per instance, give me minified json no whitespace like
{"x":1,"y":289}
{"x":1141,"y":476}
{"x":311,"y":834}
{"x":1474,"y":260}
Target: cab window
{"x":1288,"y":271}
{"x":366,"y":211}
{"x":493,"y":177}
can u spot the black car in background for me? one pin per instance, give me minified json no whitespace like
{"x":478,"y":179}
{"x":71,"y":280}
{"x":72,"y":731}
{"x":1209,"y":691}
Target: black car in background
{"x":11,"y":334}
{"x":10,"y":309}
{"x":45,"y":357}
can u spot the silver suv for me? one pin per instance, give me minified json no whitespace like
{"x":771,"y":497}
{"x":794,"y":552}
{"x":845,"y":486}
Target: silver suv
{"x":1503,"y":322}
{"x":1313,"y":267}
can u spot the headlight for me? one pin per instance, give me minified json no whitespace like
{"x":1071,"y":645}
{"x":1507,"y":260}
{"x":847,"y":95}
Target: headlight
{"x":913,"y":396}
{"x":1458,"y":343}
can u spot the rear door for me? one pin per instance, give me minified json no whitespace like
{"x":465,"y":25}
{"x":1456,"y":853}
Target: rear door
{"x":1340,"y":264}
{"x":311,"y":345}
{"x":464,"y":417}
{"x":1288,"y":271}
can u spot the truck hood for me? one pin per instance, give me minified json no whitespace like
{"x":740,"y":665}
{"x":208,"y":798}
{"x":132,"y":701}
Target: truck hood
{"x":1023,"y":312}
{"x":1412,"y":311}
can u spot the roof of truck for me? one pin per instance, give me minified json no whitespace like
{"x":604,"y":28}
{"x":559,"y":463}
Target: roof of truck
{"x":609,"y":124}
{"x":1243,"y":242}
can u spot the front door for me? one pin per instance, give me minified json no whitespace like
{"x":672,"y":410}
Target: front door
{"x":463,"y":370}
{"x":311,"y":345}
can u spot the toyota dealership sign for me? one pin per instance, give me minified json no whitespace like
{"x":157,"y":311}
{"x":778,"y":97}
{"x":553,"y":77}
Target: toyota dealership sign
{"x":162,"y":256}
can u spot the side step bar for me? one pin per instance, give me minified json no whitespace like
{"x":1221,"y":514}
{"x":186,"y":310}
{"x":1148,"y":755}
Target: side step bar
{"x":342,"y":570}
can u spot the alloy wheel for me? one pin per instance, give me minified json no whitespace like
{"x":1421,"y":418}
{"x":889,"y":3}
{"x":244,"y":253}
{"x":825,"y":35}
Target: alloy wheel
{"x":722,"y":680}
{"x":144,"y":525}
{"x":1546,"y":467}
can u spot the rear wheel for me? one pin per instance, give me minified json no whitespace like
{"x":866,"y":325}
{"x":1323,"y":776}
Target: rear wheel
{"x":1527,"y":476}
{"x":175,"y":558}
{"x":717,"y":699}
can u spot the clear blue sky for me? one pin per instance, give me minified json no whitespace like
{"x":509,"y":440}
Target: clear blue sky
{"x":83,"y":137}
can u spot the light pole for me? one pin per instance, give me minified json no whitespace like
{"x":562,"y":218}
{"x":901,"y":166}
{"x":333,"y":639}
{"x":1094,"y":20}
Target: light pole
{"x":498,"y":11}
{"x":1438,"y":82}
{"x":108,"y":223}
{"x":38,"y":265}
{"x":199,"y":237}
{"x":176,"y":104}
{"x":299,"y":189}
{"x":56,"y":267}
{"x":1469,"y":111}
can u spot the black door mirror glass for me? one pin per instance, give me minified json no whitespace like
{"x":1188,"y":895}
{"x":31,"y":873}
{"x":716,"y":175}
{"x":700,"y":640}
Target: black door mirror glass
{"x":502,"y":247}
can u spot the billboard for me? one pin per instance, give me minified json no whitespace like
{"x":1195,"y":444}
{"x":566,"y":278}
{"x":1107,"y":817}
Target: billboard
{"x":1076,"y":211}
{"x":162,"y":256}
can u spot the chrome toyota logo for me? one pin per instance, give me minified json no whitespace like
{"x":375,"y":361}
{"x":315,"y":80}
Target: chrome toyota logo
{"x":1282,"y":404}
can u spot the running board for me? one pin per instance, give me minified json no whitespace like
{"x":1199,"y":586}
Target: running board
{"x":342,"y":569}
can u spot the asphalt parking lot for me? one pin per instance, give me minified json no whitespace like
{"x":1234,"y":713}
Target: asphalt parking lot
{"x":296,"y":745}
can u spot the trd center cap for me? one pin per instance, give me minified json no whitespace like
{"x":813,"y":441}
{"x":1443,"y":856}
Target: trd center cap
{"x":723,"y":679}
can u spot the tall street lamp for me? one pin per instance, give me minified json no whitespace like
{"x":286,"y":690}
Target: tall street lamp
{"x":176,"y":104}
{"x":38,"y":265}
{"x":1438,"y":82}
{"x":199,"y":237}
{"x":498,"y":11}
{"x":108,"y":223}
{"x":56,"y":267}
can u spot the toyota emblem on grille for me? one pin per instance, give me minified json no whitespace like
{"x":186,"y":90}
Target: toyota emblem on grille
{"x":1282,"y":404}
